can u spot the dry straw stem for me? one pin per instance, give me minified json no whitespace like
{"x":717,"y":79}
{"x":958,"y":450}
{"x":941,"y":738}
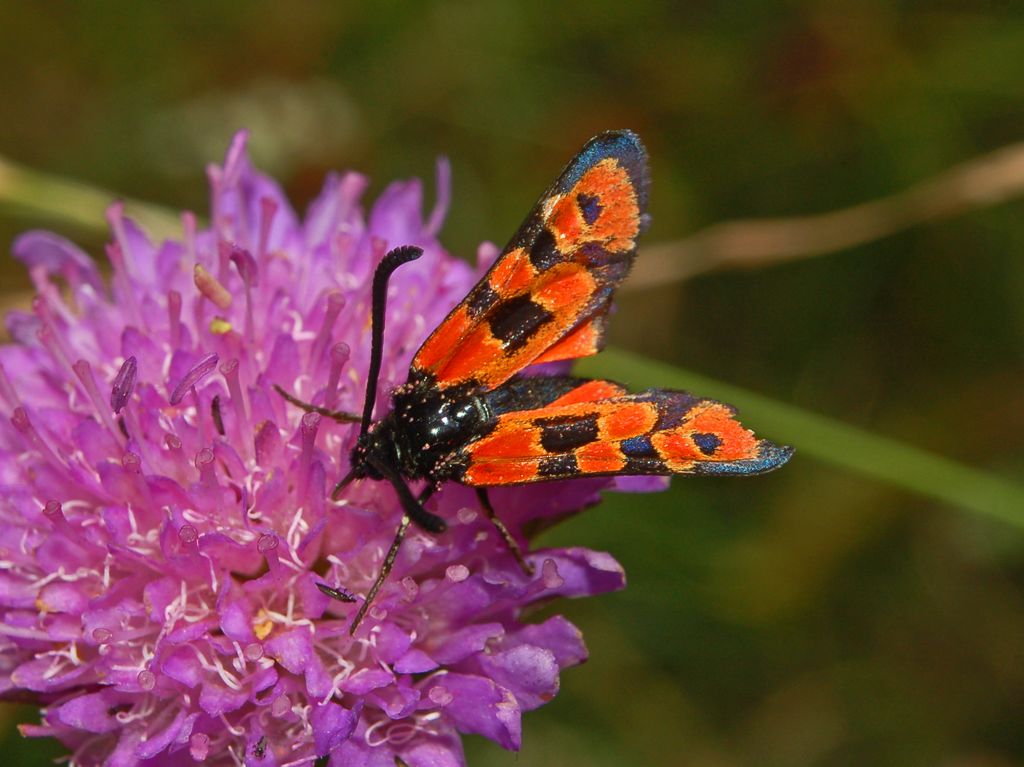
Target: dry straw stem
{"x":984,"y":181}
{"x":978,"y":183}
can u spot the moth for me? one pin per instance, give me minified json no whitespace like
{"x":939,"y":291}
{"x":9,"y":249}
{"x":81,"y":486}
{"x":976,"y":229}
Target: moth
{"x":467,"y":414}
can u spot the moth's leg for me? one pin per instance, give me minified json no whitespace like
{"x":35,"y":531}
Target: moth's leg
{"x":342,"y":484}
{"x":503,"y":531}
{"x":343,"y":596}
{"x":414,"y":512}
{"x":338,"y":415}
{"x":385,"y":570}
{"x":414,"y":506}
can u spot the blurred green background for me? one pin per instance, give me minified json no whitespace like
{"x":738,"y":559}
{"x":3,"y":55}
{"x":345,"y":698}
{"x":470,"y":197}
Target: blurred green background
{"x":816,"y":616}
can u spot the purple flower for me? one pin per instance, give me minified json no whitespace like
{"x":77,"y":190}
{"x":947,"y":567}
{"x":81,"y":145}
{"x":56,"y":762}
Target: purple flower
{"x":166,"y":514}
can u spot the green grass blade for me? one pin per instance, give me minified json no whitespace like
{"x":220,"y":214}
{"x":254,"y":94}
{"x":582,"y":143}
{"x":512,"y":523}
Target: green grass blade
{"x":69,"y":202}
{"x":830,"y":441}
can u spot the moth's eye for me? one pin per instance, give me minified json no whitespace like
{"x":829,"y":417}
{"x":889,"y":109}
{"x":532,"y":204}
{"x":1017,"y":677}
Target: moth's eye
{"x":590,"y":207}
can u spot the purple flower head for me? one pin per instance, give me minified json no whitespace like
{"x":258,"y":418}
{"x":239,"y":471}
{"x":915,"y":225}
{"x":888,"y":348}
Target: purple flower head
{"x":167,"y":515}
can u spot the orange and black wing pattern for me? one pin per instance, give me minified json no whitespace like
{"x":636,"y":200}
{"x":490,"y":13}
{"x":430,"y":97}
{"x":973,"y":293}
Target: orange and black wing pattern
{"x":547,"y":295}
{"x":563,"y":428}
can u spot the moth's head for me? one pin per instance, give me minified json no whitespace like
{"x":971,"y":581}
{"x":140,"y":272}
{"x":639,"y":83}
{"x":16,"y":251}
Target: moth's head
{"x":374,"y":448}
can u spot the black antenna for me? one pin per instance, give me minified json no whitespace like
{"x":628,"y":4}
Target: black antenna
{"x":388,"y":264}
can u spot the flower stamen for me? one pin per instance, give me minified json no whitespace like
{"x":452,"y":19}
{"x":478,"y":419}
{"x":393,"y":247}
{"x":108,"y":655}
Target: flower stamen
{"x":84,"y":372}
{"x":174,"y":318}
{"x":210,"y":287}
{"x":196,"y":374}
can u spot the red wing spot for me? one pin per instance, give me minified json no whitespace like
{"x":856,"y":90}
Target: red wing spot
{"x":565,"y":223}
{"x":512,"y":273}
{"x":511,"y":442}
{"x":600,"y":458}
{"x":622,"y":421}
{"x":443,"y":340}
{"x":500,"y":473}
{"x":584,"y":341}
{"x":591,"y":391}
{"x":471,"y":357}
{"x":566,"y":291}
{"x":675,"y":449}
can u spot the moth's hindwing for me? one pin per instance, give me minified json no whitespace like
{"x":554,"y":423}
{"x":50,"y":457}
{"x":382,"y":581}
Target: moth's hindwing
{"x":594,"y":428}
